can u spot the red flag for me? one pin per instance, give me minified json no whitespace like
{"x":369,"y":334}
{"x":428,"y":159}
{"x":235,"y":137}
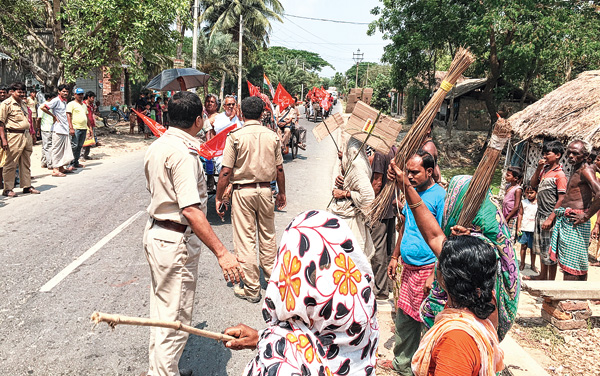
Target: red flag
{"x":210,"y":149}
{"x":254,"y":90}
{"x":156,"y":128}
{"x":214,"y":147}
{"x":267,"y":101}
{"x":282,"y":98}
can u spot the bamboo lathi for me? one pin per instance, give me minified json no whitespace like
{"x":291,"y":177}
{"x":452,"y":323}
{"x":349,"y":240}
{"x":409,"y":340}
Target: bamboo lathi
{"x":418,"y":132}
{"x":482,"y":178}
{"x":114,"y":320}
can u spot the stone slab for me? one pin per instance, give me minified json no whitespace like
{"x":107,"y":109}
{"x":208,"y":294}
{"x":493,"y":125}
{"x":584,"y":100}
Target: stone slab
{"x":564,"y":324}
{"x":564,"y":290}
{"x":518,"y":362}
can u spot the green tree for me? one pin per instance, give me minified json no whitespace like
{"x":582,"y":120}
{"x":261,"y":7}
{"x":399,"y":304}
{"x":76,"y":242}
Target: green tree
{"x":517,"y":41}
{"x":311,"y":61}
{"x":224,"y":16}
{"x":86,"y":35}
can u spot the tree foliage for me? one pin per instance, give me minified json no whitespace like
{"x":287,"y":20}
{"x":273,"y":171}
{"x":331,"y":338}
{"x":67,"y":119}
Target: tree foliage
{"x":224,"y":16}
{"x":534,"y":44}
{"x":85,"y":35}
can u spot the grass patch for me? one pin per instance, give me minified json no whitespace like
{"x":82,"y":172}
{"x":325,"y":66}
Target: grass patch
{"x":449,"y":173}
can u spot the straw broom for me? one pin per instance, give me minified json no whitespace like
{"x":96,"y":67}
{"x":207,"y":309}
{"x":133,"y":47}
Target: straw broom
{"x":114,"y":320}
{"x":482,"y":178}
{"x":416,"y":135}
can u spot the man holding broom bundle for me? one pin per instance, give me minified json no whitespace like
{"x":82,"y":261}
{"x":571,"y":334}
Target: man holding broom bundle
{"x":177,"y":224}
{"x":417,"y":262}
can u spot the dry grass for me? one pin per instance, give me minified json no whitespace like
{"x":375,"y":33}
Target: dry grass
{"x":570,"y":112}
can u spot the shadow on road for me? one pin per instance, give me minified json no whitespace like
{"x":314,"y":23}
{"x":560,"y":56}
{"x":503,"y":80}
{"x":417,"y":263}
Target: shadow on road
{"x":205,"y":356}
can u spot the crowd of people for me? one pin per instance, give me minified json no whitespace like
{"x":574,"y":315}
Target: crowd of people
{"x":554,"y":217}
{"x":65,"y":128}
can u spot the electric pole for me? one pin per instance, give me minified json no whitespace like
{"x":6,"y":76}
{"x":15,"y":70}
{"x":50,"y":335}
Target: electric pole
{"x":195,"y":39}
{"x":240,"y":60}
{"x":358,"y":58}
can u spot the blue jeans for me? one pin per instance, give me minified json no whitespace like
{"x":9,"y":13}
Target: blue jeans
{"x":77,"y":141}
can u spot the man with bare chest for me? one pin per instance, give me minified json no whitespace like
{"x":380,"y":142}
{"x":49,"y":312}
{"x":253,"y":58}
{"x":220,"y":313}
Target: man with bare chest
{"x":571,"y":233}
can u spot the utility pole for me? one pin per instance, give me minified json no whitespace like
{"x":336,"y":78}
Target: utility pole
{"x":367,"y":80}
{"x":195,"y":40}
{"x":302,"y":92}
{"x":240,"y":60}
{"x":358,"y":58}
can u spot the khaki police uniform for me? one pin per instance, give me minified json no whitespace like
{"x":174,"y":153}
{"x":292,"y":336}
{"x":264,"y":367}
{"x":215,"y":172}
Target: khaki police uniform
{"x":175,"y":179}
{"x":253,"y":152}
{"x":20,"y":144}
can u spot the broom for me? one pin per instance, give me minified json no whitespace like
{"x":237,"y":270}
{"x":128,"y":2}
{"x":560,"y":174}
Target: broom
{"x":416,"y":135}
{"x":482,"y":178}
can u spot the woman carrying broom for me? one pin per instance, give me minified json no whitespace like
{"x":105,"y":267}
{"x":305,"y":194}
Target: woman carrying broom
{"x":489,"y":226}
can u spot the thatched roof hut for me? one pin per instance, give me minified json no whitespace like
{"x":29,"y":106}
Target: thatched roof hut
{"x":570,"y":112}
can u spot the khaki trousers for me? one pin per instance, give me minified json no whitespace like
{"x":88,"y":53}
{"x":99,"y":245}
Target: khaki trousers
{"x":253,"y":209}
{"x":20,"y":146}
{"x":173,"y":259}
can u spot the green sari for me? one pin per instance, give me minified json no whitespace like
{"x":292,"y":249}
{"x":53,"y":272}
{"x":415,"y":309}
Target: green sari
{"x":489,"y":225}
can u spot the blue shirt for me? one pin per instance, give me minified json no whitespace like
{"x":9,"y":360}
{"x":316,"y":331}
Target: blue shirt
{"x":414,"y":249}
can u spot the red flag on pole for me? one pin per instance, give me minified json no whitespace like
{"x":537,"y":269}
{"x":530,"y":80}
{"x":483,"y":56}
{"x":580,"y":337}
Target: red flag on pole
{"x":282,"y":98}
{"x":215,"y":146}
{"x":210,"y":149}
{"x":156,"y":128}
{"x":253,"y":90}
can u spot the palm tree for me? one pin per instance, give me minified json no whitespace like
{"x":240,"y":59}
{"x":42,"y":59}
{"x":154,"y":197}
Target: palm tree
{"x":217,"y":54}
{"x":247,"y":20}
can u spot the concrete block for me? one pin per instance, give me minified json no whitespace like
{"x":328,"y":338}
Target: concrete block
{"x":555,"y":312}
{"x":573,"y":305}
{"x":564,"y":324}
{"x":582,"y":315}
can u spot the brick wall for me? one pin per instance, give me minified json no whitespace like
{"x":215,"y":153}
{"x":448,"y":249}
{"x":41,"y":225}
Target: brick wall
{"x":111,"y":90}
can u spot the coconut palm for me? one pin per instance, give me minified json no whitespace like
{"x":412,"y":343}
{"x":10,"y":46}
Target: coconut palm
{"x":224,"y":15}
{"x":217,"y":54}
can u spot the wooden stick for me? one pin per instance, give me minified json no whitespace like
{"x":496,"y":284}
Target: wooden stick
{"x":359,"y":150}
{"x":332,"y":138}
{"x":114,"y":320}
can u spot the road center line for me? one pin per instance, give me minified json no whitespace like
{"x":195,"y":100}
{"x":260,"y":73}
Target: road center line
{"x":81,"y":259}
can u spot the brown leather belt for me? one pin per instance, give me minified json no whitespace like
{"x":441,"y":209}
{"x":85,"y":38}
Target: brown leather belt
{"x":16,"y":130}
{"x":170,"y":225}
{"x":252,"y":185}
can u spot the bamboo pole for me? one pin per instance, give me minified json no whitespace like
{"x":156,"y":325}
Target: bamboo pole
{"x":114,"y":320}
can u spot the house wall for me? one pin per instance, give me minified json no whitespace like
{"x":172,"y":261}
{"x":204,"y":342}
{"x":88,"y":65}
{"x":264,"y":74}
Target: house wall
{"x":473,"y":113}
{"x":533,"y":155}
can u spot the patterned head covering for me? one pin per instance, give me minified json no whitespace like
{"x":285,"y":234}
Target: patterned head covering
{"x":319,"y":305}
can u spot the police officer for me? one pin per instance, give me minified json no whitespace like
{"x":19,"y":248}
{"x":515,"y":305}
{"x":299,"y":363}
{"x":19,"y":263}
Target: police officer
{"x":16,"y":141}
{"x":251,"y":160}
{"x":176,"y":226}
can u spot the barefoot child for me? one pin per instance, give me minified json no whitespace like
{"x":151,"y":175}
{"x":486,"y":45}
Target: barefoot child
{"x":526,"y":225}
{"x":512,"y":198}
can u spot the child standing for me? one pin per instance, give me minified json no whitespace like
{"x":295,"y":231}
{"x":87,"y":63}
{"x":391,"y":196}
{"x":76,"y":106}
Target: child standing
{"x":512,"y":199}
{"x":526,"y":225}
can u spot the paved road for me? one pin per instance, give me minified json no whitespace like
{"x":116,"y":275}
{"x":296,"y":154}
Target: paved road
{"x":94,"y":221}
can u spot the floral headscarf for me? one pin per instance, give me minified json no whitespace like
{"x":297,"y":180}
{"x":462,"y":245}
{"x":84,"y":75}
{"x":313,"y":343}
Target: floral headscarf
{"x":319,"y":305}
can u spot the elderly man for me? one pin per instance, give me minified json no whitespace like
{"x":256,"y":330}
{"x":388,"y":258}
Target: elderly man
{"x":417,"y":260}
{"x":571,"y":233}
{"x":16,"y":141}
{"x":223,"y":121}
{"x":251,"y":160}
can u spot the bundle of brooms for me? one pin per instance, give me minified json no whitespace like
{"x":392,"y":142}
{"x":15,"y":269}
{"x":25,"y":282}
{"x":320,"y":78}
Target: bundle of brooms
{"x":482,"y":178}
{"x":416,"y":135}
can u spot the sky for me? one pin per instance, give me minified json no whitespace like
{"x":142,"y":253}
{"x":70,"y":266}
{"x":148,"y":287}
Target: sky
{"x":334,"y":42}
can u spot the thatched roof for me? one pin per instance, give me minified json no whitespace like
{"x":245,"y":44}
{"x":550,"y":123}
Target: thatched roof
{"x":568,"y":113}
{"x":466,"y":86}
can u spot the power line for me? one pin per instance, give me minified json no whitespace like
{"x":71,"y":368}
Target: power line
{"x":328,"y":20}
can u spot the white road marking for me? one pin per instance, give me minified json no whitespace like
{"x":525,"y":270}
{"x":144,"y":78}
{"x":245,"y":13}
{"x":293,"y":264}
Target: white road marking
{"x":81,"y":259}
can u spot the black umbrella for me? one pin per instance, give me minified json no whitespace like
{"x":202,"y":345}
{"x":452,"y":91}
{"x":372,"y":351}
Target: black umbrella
{"x":167,"y":80}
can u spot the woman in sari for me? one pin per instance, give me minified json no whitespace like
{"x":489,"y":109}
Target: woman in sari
{"x":488,"y":225}
{"x":472,"y":270}
{"x":319,"y":305}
